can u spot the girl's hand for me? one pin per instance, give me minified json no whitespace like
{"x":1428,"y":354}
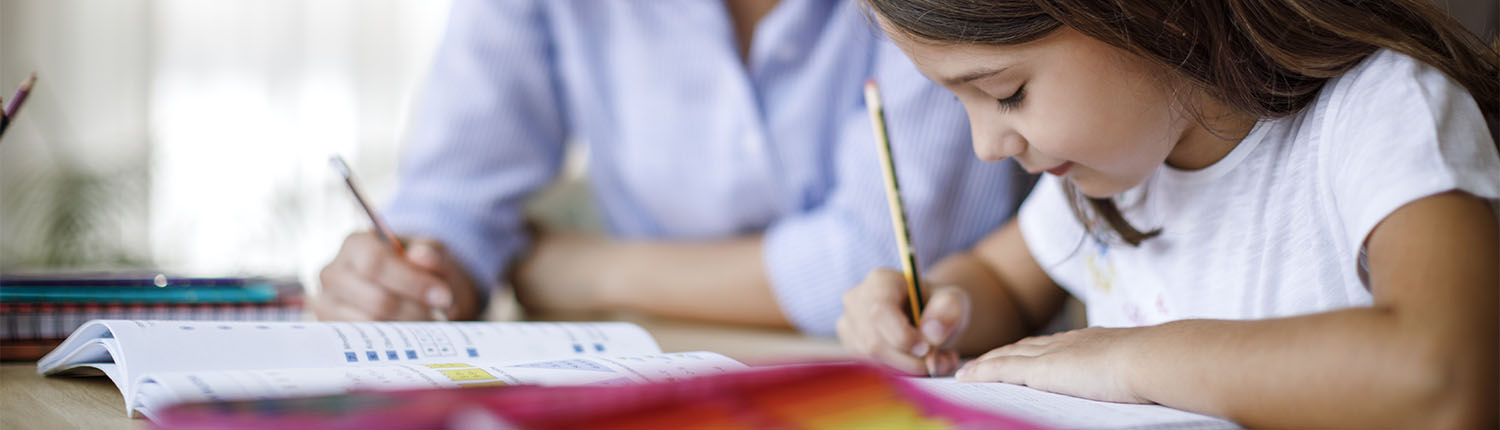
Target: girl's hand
{"x":875,"y":324}
{"x":1092,"y":363}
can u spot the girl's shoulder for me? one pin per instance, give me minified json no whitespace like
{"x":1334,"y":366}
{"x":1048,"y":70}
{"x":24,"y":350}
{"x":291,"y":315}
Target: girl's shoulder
{"x":1391,"y":96}
{"x":1392,"y":109}
{"x":1392,"y":130}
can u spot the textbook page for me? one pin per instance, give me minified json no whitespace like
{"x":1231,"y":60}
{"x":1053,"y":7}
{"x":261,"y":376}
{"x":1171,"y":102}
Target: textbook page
{"x":129,"y":349}
{"x":151,"y":346}
{"x":1057,"y":410}
{"x":159,"y":390}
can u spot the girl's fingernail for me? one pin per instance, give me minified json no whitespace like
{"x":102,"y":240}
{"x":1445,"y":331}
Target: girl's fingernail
{"x":934,"y":331}
{"x":921,"y":349}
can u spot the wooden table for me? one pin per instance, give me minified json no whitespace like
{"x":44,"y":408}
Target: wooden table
{"x":33,"y":402}
{"x":30,"y":401}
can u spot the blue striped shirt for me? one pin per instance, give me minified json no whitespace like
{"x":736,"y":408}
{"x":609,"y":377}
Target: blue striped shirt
{"x":688,"y":142}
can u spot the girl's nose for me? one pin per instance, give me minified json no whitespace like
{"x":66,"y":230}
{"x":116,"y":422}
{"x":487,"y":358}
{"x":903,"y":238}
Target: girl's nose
{"x":1008,"y":145}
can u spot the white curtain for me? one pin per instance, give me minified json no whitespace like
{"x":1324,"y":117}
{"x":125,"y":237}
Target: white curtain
{"x":257,"y":94}
{"x":228,"y":109}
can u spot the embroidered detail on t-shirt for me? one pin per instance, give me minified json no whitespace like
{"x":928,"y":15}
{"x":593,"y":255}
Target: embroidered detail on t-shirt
{"x":1133,"y":313}
{"x":1101,"y":269}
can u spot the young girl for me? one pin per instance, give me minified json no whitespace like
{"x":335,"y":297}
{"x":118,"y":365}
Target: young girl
{"x":1281,"y":212}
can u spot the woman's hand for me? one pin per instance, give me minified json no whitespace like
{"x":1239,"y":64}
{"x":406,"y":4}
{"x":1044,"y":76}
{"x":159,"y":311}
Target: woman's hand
{"x":875,"y":325}
{"x":1092,"y":363}
{"x":369,"y":281}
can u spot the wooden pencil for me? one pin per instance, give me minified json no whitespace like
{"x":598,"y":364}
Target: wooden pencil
{"x":893,"y":197}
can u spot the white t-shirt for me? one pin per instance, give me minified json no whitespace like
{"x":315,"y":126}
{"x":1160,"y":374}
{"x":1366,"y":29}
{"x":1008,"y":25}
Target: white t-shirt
{"x":1276,"y":227}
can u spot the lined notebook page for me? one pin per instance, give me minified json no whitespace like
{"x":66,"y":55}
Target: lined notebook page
{"x":1065,"y":411}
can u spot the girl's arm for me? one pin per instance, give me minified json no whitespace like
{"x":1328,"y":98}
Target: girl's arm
{"x":1011,"y":295}
{"x":1424,"y":355}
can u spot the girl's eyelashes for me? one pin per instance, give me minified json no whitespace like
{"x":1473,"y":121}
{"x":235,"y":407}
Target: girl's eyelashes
{"x":1010,"y":103}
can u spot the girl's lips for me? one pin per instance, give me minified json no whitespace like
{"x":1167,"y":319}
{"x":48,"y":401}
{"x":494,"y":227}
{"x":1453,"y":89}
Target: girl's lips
{"x":1060,"y":170}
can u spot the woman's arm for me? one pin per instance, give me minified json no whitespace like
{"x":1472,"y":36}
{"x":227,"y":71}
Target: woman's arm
{"x":1424,"y":355}
{"x":720,"y":281}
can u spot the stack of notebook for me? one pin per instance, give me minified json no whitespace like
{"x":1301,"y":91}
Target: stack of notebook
{"x":38,"y":311}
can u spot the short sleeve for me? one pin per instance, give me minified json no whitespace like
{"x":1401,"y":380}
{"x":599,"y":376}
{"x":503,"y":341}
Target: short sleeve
{"x":1395,"y":131}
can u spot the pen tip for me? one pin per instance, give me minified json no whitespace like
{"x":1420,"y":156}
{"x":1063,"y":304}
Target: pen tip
{"x":869,"y":82}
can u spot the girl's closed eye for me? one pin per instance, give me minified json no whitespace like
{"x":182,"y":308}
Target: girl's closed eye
{"x":1014,"y":101}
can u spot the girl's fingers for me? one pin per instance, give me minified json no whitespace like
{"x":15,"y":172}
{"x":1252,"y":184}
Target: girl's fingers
{"x":901,"y":361}
{"x":853,"y":338}
{"x":943,"y":362}
{"x":875,"y":323}
{"x":945,"y":313}
{"x":881,"y":286}
{"x":1015,"y":349}
{"x":1006,"y":368}
{"x":896,"y":332}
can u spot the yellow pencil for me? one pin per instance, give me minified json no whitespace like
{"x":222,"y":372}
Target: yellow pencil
{"x":893,"y":197}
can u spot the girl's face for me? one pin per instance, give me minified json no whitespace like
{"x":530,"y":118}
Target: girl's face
{"x":1069,"y":105}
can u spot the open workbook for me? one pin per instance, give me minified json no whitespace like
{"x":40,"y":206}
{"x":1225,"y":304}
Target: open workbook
{"x":156,"y":364}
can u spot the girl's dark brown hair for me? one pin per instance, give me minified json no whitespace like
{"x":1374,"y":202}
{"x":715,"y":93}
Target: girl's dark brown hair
{"x":1266,"y":57}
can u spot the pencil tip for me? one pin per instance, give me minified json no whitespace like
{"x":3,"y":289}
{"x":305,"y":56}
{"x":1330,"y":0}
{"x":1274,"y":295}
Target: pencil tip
{"x":337,"y":161}
{"x":26,"y":86}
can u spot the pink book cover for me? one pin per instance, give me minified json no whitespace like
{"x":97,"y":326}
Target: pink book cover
{"x":806,"y":396}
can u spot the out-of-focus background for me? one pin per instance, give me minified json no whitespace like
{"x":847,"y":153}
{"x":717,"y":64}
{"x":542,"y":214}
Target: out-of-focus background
{"x":193,"y":135}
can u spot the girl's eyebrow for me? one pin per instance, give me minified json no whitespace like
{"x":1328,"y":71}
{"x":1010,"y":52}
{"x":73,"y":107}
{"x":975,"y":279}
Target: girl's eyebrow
{"x":974,"y":76}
